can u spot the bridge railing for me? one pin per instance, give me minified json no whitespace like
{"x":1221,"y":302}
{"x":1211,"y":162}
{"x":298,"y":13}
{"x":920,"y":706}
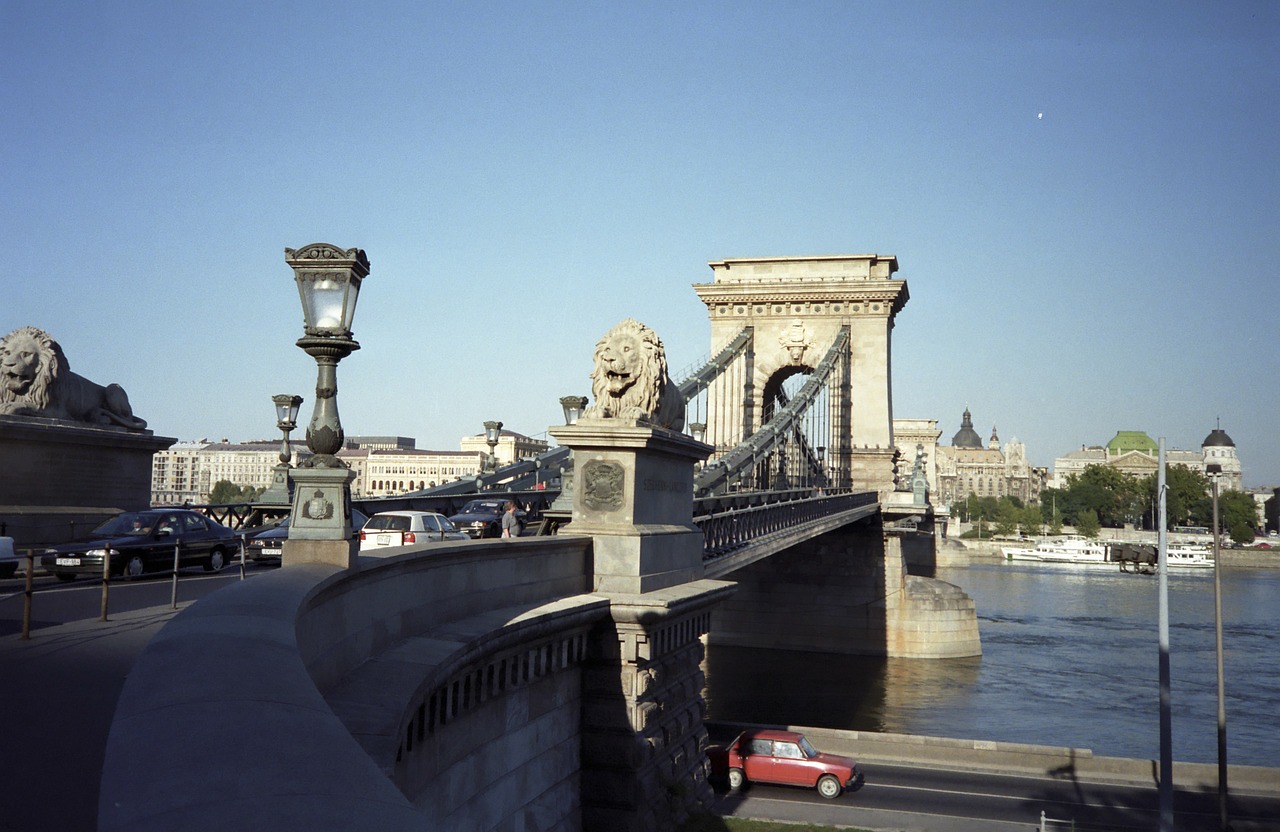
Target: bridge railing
{"x":729,"y":522}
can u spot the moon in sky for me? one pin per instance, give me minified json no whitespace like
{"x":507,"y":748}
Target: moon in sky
{"x":1039,"y":115}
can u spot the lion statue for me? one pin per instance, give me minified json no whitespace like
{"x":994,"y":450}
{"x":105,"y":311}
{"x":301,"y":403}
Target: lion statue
{"x":35,"y":380}
{"x":629,"y":380}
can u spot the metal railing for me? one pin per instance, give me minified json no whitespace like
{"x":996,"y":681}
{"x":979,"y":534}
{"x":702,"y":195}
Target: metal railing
{"x":731,"y":522}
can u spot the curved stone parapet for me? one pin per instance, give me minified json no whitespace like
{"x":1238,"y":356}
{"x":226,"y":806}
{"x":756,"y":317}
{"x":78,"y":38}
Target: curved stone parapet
{"x":233,"y":716}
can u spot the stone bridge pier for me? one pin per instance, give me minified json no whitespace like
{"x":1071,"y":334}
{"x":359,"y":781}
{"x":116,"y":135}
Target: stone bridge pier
{"x":849,"y":591}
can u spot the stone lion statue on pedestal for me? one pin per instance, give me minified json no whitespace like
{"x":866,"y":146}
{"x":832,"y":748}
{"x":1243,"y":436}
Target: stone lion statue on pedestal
{"x":629,"y":380}
{"x":35,"y":380}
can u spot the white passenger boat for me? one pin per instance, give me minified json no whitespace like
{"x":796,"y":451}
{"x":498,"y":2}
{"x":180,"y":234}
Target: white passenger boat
{"x":1077,"y":550}
{"x":1189,"y":556}
{"x":1062,"y":550}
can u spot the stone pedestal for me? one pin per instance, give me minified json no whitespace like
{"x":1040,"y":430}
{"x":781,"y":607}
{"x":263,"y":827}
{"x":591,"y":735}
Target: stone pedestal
{"x":59,"y":479}
{"x":320,"y":531}
{"x":633,"y":493}
{"x":644,"y":761}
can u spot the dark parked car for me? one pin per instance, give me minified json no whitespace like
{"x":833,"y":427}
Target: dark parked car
{"x":483,"y":518}
{"x":143,"y":541}
{"x":269,"y":545}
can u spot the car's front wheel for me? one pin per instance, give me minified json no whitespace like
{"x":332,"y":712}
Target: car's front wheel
{"x":737,"y":779}
{"x":134,"y":567}
{"x":217,"y":560}
{"x":829,"y":787}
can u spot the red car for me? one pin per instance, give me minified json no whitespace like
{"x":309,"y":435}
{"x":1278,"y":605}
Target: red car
{"x":768,"y":756}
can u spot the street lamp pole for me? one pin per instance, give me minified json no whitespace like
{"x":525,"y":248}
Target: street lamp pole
{"x":328,"y":279}
{"x":286,"y":420}
{"x":1214,"y":470}
{"x":492,"y":433}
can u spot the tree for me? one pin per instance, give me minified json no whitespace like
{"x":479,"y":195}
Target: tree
{"x":1238,"y":514}
{"x":1030,"y":520}
{"x":1087,"y":523}
{"x":225,"y":492}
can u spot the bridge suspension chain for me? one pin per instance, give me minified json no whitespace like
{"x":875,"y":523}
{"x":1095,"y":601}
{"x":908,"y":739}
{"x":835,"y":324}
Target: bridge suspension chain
{"x":741,"y":462}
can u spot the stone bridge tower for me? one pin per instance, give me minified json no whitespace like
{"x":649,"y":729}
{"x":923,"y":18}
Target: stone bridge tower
{"x":796,"y":307}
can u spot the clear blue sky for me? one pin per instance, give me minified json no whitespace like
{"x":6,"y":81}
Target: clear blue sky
{"x":1082,"y":196}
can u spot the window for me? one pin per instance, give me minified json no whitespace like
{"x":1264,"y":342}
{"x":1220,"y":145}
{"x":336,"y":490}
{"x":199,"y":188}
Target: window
{"x":764,"y":747}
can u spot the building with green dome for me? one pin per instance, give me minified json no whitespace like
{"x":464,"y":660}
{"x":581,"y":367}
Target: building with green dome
{"x":1135,"y":453}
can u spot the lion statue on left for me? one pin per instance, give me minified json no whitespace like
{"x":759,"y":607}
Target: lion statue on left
{"x":35,"y":380}
{"x":629,"y":380}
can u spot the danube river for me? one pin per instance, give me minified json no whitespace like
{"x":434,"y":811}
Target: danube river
{"x":1070,"y":658}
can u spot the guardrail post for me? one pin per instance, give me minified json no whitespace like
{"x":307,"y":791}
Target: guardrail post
{"x":106,"y":578}
{"x":26,"y":595}
{"x":177,"y":547}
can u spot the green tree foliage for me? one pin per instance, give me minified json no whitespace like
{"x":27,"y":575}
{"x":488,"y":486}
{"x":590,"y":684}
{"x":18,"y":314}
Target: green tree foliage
{"x":1087,"y":523}
{"x":1030,"y":521}
{"x":1238,"y":515}
{"x":225,"y":491}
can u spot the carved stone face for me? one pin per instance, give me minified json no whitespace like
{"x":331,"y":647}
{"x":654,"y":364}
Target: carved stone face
{"x":19,"y":363}
{"x":621,"y":362}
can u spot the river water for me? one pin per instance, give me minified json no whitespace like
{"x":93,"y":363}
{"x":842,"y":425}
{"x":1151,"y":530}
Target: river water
{"x":1070,"y":658}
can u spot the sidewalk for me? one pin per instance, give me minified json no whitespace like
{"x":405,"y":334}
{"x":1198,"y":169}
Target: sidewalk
{"x":59,"y":692}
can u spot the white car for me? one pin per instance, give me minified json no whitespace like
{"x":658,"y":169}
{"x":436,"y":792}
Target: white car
{"x":405,"y":528}
{"x":8,"y":558}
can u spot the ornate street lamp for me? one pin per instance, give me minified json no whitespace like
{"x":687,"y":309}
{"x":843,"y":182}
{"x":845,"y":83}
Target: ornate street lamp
{"x":328,"y":283}
{"x":328,"y":279}
{"x":286,"y":420}
{"x":572,"y":407}
{"x":492,"y":432}
{"x":698,"y":430}
{"x":822,"y":464}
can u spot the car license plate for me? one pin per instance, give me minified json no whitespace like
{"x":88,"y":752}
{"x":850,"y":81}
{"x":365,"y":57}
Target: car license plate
{"x":271,"y":552}
{"x":67,"y":561}
{"x":384,"y":540}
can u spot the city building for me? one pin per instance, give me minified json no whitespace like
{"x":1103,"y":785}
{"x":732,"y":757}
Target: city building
{"x":187,"y":471}
{"x":380,"y":443}
{"x":967,"y":467}
{"x":512,"y":446}
{"x":383,"y":473}
{"x":1136,"y":454}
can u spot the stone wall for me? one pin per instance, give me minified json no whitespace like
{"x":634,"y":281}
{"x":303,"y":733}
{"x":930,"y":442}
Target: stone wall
{"x":925,"y":618}
{"x":849,"y":591}
{"x":823,"y":595}
{"x":56,"y":474}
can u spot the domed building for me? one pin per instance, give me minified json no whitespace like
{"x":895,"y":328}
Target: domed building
{"x":1136,"y":454}
{"x":968,"y":466}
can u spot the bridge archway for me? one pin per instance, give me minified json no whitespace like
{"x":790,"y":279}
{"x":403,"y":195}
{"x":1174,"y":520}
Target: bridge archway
{"x":796,"y":310}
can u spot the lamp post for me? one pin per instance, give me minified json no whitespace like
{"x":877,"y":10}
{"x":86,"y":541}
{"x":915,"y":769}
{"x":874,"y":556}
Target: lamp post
{"x":572,"y":407}
{"x":492,"y":432}
{"x":328,"y":281}
{"x":822,"y":465}
{"x":562,"y":507}
{"x":1213,"y":470}
{"x":698,"y":430}
{"x":286,"y":420}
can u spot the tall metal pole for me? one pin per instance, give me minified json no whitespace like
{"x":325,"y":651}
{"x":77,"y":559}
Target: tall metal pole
{"x":1166,"y":712}
{"x":1217,"y":626}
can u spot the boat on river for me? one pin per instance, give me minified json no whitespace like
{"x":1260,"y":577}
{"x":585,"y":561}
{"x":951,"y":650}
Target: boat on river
{"x":1062,"y":550}
{"x":1079,"y":551}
